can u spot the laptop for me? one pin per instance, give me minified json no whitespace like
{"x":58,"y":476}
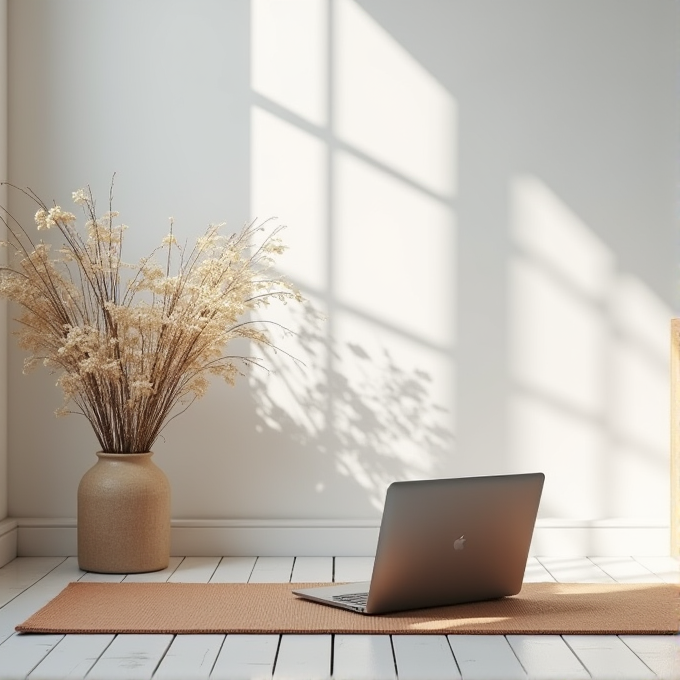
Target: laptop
{"x":443,"y":542}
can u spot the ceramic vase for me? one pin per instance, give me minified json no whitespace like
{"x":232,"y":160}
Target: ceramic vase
{"x":124,"y":515}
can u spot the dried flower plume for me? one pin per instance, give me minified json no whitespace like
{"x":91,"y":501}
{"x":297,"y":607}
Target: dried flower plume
{"x":132,"y":343}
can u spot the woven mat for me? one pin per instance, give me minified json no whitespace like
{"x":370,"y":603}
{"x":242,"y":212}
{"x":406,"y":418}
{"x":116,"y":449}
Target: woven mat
{"x":557,"y":608}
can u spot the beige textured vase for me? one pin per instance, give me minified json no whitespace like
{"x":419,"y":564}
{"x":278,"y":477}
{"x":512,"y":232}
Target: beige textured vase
{"x":124,"y":515}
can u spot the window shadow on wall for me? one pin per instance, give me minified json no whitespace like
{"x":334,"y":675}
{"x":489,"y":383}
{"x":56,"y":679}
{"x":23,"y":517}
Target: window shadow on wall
{"x":353,"y":144}
{"x":495,"y":273}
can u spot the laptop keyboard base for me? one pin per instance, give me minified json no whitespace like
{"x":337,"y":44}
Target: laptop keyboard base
{"x":359,"y":599}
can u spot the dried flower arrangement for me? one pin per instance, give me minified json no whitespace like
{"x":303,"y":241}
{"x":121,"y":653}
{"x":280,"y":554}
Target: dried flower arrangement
{"x":134,"y":345}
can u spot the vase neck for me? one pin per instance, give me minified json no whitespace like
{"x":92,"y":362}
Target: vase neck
{"x":102,"y":455}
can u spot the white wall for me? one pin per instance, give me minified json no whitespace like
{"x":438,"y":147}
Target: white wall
{"x":480,"y":196}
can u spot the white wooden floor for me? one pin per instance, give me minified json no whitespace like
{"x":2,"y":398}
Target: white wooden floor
{"x":28,"y":583}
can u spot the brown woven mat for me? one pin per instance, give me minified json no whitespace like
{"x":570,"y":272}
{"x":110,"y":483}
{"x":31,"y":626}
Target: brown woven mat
{"x":558,"y":608}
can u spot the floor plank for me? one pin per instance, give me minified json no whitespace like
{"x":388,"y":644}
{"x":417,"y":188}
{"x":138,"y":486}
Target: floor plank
{"x":312,"y":570}
{"x":20,"y":654}
{"x":94,"y":577}
{"x":535,"y":572}
{"x":349,"y":569}
{"x":424,"y":657}
{"x":272,"y":570}
{"x":547,"y":656}
{"x":195,"y":570}
{"x":190,"y":656}
{"x":363,"y":657}
{"x":36,"y":596}
{"x":234,"y":570}
{"x":72,"y":658}
{"x":485,"y":657}
{"x":667,"y":568}
{"x":660,"y":652}
{"x":156,"y":576}
{"x":246,"y":657}
{"x":574,"y":570}
{"x":606,"y":657}
{"x":22,"y":573}
{"x":625,"y":570}
{"x":131,"y":657}
{"x":304,"y":657}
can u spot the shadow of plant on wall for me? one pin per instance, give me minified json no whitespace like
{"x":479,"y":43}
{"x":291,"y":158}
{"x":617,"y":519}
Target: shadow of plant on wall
{"x":376,"y":416}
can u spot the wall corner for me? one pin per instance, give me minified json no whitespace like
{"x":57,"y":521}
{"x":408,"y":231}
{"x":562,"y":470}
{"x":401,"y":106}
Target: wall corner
{"x":4,"y":38}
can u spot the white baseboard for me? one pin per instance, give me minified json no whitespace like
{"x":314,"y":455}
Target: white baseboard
{"x":8,"y":540}
{"x":568,"y":538}
{"x":602,"y":538}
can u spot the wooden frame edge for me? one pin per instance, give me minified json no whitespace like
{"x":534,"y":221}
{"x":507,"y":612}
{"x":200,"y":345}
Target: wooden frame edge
{"x":675,"y":436}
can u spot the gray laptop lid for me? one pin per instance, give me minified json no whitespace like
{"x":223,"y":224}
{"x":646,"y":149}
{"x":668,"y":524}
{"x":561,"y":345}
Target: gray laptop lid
{"x":447,"y":541}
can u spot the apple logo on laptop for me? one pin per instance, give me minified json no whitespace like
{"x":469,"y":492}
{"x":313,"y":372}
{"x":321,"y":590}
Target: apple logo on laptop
{"x":459,"y":543}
